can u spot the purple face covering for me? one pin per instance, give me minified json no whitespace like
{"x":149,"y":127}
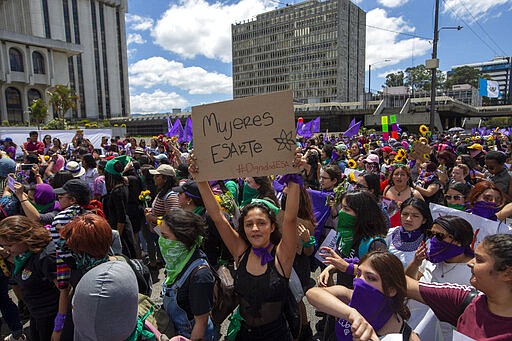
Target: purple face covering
{"x":263,"y":254}
{"x":485,"y":209}
{"x":441,"y":251}
{"x":373,"y":305}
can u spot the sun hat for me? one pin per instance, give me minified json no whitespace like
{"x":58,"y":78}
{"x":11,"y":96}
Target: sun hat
{"x":166,"y":170}
{"x":372,"y":158}
{"x":74,"y":168}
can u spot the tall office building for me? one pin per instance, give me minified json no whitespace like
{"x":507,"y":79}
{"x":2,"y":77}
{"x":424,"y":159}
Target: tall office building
{"x":500,"y":70}
{"x":80,"y":43}
{"x":315,"y":48}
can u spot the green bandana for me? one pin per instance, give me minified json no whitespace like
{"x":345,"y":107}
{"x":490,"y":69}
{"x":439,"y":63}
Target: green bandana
{"x":86,"y":262}
{"x":235,"y":324}
{"x":20,"y":261}
{"x":345,"y":230}
{"x":267,"y":203}
{"x":248,"y":194}
{"x":109,"y":167}
{"x":460,"y":207}
{"x":176,"y":256}
{"x":199,"y":210}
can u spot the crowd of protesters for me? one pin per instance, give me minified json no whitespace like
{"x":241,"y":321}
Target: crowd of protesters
{"x":68,"y":210}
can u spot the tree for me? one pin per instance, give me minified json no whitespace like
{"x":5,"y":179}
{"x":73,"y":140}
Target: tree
{"x":38,"y":111}
{"x":419,"y":78}
{"x":464,"y":75}
{"x":62,"y":98}
{"x":395,"y":79}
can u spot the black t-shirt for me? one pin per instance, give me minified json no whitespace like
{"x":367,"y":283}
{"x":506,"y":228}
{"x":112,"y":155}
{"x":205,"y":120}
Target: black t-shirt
{"x":195,"y":297}
{"x":36,"y":283}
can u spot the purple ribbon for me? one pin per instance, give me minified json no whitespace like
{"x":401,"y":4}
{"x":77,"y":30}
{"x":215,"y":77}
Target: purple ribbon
{"x":263,"y":254}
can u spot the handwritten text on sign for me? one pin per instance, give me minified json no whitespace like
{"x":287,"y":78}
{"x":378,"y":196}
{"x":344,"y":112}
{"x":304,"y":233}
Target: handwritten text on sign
{"x":251,"y":136}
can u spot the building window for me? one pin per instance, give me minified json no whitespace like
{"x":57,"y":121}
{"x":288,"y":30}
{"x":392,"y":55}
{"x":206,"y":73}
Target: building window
{"x":38,"y":62}
{"x":16,"y":60}
{"x":14,"y":107}
{"x":32,"y":95}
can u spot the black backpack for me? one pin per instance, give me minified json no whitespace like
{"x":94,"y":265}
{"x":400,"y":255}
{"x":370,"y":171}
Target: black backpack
{"x":142,"y":273}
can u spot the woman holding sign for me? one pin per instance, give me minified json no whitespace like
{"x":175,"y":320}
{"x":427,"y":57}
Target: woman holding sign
{"x":264,"y":260}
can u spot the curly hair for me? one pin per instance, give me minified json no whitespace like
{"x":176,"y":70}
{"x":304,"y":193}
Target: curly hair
{"x":89,"y":234}
{"x":499,"y":246}
{"x":391,"y":272}
{"x":20,"y":229}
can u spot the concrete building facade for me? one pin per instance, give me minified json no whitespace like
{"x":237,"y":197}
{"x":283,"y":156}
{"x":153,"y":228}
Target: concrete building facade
{"x":79,"y":43}
{"x":500,"y":70}
{"x":315,"y":48}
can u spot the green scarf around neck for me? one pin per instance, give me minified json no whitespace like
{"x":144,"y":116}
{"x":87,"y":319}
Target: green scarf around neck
{"x":176,"y":256}
{"x":20,"y":261}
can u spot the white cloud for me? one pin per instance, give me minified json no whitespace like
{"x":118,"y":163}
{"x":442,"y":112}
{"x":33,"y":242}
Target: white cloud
{"x":195,"y":27}
{"x":158,"y":71}
{"x":472,"y":10}
{"x":381,"y":45}
{"x":392,"y":3}
{"x":387,"y":72}
{"x":139,"y":23}
{"x":157,"y":101}
{"x":134,"y":38}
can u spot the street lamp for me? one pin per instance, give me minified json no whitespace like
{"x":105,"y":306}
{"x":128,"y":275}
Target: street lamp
{"x":370,"y":74}
{"x":433,"y":63}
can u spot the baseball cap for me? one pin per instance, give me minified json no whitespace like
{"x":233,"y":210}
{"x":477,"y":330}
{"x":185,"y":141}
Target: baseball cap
{"x":166,"y":170}
{"x":189,"y":188}
{"x":372,"y":158}
{"x":386,"y":149}
{"x":76,"y":186}
{"x":139,"y":150}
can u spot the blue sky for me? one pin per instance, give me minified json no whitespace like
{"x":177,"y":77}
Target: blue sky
{"x":179,"y":52}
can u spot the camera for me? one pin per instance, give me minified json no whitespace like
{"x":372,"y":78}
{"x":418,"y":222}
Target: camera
{"x":26,"y":166}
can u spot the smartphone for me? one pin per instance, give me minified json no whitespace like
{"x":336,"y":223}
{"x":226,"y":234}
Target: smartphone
{"x":10,"y":182}
{"x":26,"y":166}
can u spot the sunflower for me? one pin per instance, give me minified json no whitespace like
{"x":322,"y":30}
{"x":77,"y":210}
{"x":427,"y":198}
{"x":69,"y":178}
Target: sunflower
{"x":423,"y":140}
{"x":401,"y":153}
{"x":352,"y":163}
{"x":423,"y":129}
{"x":426,"y":156}
{"x":399,"y":158}
{"x":352,"y":177}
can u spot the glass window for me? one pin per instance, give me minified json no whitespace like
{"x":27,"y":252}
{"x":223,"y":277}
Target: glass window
{"x":38,"y":62}
{"x":16,"y":60}
{"x":14,"y":107}
{"x":32,"y":95}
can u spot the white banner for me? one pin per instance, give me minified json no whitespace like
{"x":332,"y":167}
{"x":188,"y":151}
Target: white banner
{"x":481,"y":227}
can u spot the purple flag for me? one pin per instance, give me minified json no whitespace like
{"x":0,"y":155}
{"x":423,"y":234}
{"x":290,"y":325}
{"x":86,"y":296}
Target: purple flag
{"x":187,"y":132}
{"x":306,"y":130}
{"x":299,"y":126}
{"x":320,"y":210}
{"x":352,"y":122}
{"x":169,"y":125}
{"x":473,"y":131}
{"x":481,"y":131}
{"x":315,"y":125}
{"x":352,"y":130}
{"x":176,"y":130}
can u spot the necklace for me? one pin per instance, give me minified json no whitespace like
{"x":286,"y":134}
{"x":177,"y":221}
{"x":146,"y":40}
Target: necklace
{"x":399,"y":192}
{"x":445,"y":272}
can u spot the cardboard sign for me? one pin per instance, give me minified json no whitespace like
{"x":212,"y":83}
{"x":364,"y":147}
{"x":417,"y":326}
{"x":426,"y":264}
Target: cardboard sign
{"x":253,"y":136}
{"x":420,"y":151}
{"x":330,"y":242}
{"x":482,"y":227}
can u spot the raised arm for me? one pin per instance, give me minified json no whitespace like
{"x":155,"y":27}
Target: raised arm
{"x":286,"y":248}
{"x":413,"y":290}
{"x":235,"y":244}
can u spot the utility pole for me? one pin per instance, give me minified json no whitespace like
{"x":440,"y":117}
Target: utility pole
{"x":433,"y":64}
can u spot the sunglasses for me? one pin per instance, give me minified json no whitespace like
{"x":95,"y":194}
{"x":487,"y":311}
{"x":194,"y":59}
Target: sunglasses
{"x":454,"y":197}
{"x":439,"y":236}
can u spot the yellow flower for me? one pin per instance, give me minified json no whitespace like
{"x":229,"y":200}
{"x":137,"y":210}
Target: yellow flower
{"x":352,"y":163}
{"x":426,"y":156}
{"x":174,"y":138}
{"x":423,"y":129}
{"x":46,"y":157}
{"x":423,"y":140}
{"x":123,"y":125}
{"x":399,"y":158}
{"x":401,"y":153}
{"x":352,"y":177}
{"x":218,"y":198}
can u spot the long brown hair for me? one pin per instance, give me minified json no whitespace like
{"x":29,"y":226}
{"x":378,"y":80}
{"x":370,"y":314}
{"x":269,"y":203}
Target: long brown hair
{"x":20,"y":229}
{"x":391,"y":272}
{"x":481,"y":187}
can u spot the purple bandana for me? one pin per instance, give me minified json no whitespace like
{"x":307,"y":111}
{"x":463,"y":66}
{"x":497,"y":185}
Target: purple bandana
{"x":485,"y":209}
{"x":406,"y":240}
{"x":263,"y":254}
{"x":441,"y":251}
{"x":375,"y":307}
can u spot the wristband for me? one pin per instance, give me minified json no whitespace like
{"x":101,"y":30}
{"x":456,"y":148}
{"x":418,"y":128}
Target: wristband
{"x":350,"y":267}
{"x":311,"y":242}
{"x":59,"y":322}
